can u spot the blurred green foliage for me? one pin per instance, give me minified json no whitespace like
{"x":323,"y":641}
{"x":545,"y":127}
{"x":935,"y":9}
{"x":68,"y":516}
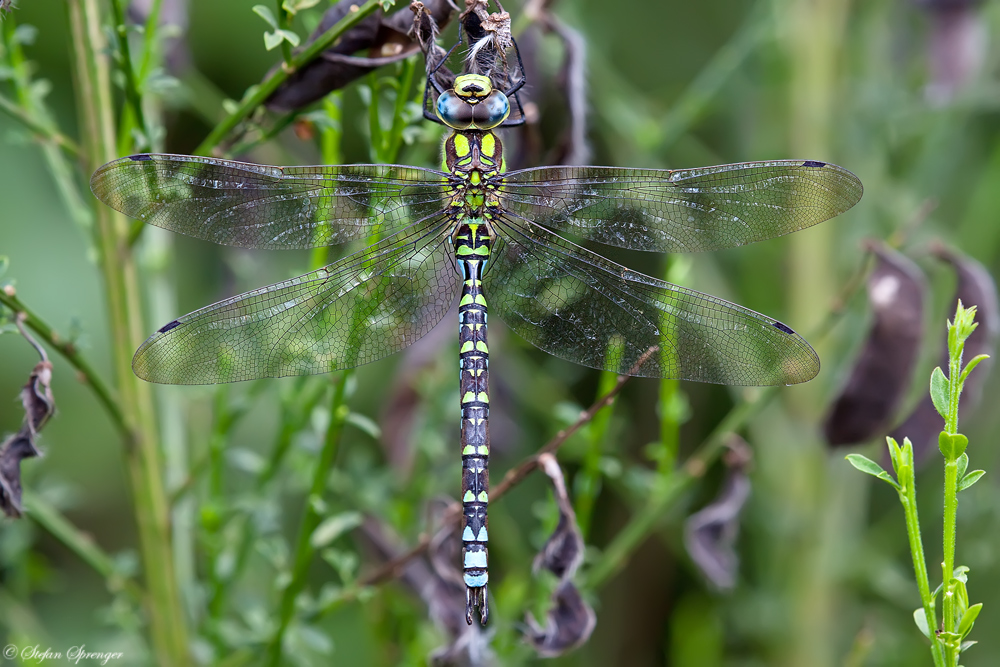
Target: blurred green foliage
{"x":825,"y":573}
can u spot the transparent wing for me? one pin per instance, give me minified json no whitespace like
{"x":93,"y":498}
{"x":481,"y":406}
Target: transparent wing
{"x":257,"y":206}
{"x":359,"y":309}
{"x":683,"y":210}
{"x":577,"y":305}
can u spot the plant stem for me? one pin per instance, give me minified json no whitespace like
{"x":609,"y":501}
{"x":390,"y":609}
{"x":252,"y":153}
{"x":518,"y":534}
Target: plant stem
{"x":49,"y":518}
{"x":131,"y":88}
{"x":950,"y":625}
{"x":264,"y":90}
{"x":41,"y":129}
{"x":908,"y":497}
{"x":142,"y":452}
{"x":72,"y":355}
{"x":311,"y":517}
{"x":642,"y":523}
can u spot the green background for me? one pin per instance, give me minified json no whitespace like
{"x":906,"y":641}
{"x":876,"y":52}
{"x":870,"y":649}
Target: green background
{"x":825,"y":572}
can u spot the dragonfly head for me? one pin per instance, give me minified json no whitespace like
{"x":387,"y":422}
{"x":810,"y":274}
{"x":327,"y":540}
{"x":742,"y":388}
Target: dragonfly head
{"x":473,"y":104}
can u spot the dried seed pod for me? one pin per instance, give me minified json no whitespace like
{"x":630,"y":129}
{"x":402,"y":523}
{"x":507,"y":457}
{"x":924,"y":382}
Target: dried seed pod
{"x":956,"y":47}
{"x":710,"y":534}
{"x":882,"y":372}
{"x":36,"y":397}
{"x":975,"y":287}
{"x":570,"y":620}
{"x":16,"y":448}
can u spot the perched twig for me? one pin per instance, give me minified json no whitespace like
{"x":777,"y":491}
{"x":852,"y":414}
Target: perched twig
{"x":261,"y":93}
{"x":514,"y":476}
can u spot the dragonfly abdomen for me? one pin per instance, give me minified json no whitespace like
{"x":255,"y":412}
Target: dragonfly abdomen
{"x":472,"y":249}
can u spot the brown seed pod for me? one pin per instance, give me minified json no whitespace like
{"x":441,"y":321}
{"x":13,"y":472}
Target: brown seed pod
{"x":882,"y":372}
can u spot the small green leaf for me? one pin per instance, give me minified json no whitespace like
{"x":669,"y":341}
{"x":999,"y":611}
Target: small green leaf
{"x":272,"y":40}
{"x":963,"y":464}
{"x":266,"y":14}
{"x":952,"y":446}
{"x":969,"y":619}
{"x":387,"y":4}
{"x":970,"y":479}
{"x":4,"y":264}
{"x":895,"y":453}
{"x":975,"y":361}
{"x":295,"y":6}
{"x":920,"y":618}
{"x":332,"y":528}
{"x":866,"y":465}
{"x":290,"y":36}
{"x":939,"y":391}
{"x":365,"y":424}
{"x":966,"y":646}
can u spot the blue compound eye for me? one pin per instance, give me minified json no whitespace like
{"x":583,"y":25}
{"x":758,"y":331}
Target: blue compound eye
{"x":492,"y":111}
{"x":454,"y":111}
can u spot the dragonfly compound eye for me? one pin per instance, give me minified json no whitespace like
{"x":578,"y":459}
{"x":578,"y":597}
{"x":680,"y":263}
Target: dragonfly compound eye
{"x":491,"y":112}
{"x":454,"y":111}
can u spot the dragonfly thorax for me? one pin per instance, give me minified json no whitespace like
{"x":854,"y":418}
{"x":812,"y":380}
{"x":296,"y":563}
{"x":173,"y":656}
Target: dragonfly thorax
{"x":475,"y":160}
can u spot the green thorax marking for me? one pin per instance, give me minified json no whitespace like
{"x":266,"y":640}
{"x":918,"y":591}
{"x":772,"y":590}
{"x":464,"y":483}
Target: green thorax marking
{"x":476,"y":158}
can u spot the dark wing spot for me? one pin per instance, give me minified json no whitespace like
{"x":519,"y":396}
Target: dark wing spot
{"x":813,"y":163}
{"x":777,"y":325}
{"x":140,"y":158}
{"x":167,"y":327}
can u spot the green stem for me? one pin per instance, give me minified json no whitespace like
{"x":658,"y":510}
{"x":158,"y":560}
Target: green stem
{"x":908,"y":497}
{"x":395,"y":139}
{"x":587,"y":483}
{"x":72,"y":355}
{"x":142,"y":448}
{"x":50,"y":519}
{"x":310,"y":518}
{"x":264,"y":90}
{"x":655,"y":506}
{"x":949,"y":614}
{"x":43,"y":130}
{"x":131,"y":88}
{"x":286,"y":49}
{"x":296,"y":410}
{"x":149,"y":41}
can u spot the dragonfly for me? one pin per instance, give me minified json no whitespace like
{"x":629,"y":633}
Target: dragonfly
{"x":479,"y":234}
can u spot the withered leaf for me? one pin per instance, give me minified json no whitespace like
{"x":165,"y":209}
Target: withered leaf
{"x":36,"y":397}
{"x":710,"y":533}
{"x":14,"y":449}
{"x":570,"y":620}
{"x":882,"y":371}
{"x":569,"y":624}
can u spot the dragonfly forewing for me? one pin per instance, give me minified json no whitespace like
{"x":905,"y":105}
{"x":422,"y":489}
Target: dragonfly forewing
{"x":355,"y":311}
{"x":685,"y":210}
{"x":258,"y":206}
{"x":581,"y":307}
